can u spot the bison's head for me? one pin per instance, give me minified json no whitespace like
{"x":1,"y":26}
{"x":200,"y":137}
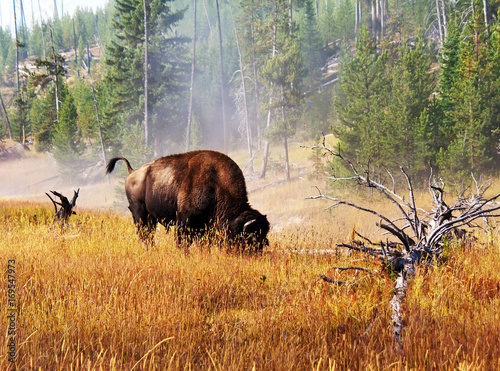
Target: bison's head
{"x":252,"y":227}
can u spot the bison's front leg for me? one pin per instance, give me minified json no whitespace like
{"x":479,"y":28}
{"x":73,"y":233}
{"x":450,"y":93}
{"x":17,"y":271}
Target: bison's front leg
{"x":184,"y":236}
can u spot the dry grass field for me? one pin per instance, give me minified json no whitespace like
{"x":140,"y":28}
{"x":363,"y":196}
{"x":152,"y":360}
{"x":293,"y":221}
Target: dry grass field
{"x":90,"y":297}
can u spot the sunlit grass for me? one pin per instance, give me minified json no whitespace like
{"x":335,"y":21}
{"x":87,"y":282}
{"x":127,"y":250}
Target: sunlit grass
{"x":90,"y":297}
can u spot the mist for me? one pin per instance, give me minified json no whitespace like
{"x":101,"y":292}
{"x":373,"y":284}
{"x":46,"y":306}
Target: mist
{"x":29,"y":178}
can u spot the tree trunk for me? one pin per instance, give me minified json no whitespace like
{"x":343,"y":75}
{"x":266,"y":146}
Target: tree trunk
{"x":265,"y":156}
{"x":191,"y":88}
{"x":29,"y":117}
{"x":32,"y":13}
{"x":99,"y":126}
{"x":245,"y":105}
{"x":373,"y":20}
{"x":440,"y":26}
{"x":445,"y":22}
{"x":6,"y":117}
{"x":485,"y":10}
{"x":256,"y":88}
{"x":356,"y":18}
{"x":56,"y":15}
{"x":23,"y":124}
{"x":206,"y":14}
{"x":397,"y":310}
{"x":88,"y":58}
{"x":23,"y":27}
{"x":17,"y":46}
{"x":56,"y":90}
{"x":222,"y":86}
{"x":146,"y":118}
{"x":101,"y":48}
{"x":41,"y":26}
{"x":382,"y":17}
{"x":287,"y":162}
{"x":75,"y":44}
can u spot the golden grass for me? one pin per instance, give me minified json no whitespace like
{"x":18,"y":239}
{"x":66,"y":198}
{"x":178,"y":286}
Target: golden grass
{"x":90,"y":297}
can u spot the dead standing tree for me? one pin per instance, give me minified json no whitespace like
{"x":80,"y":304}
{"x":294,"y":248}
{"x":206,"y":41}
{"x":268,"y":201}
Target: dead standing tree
{"x":66,"y":207}
{"x":418,"y":234}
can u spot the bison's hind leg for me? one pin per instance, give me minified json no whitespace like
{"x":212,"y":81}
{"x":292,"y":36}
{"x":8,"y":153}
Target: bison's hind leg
{"x":145,"y":224}
{"x":186,"y":234}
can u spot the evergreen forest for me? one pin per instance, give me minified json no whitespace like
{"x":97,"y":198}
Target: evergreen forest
{"x":399,"y":83}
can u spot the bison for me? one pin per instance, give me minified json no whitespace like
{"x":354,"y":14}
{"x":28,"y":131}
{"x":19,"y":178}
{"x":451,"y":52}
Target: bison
{"x":194,"y":191}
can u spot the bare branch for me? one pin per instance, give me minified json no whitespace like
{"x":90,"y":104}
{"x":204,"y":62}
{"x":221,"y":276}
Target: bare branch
{"x":353,"y":268}
{"x":423,"y":244}
{"x":348,"y":203}
{"x":62,"y":215}
{"x":403,"y":237}
{"x":416,"y":222}
{"x":331,"y":280}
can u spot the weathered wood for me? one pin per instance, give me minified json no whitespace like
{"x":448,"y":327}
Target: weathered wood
{"x":331,"y":280}
{"x":397,"y":311}
{"x":66,"y":207}
{"x":352,"y":268}
{"x":422,"y":233}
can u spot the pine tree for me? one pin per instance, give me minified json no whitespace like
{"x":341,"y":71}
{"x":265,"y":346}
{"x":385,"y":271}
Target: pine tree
{"x":20,"y":118}
{"x":283,"y":74}
{"x":125,"y":58}
{"x":407,"y":116}
{"x":310,"y":43}
{"x":67,"y":141}
{"x":44,"y":117}
{"x":361,"y":108}
{"x":471,"y":103}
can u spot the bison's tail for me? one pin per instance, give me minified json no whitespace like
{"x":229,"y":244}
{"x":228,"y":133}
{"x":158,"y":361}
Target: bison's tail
{"x":112,"y":162}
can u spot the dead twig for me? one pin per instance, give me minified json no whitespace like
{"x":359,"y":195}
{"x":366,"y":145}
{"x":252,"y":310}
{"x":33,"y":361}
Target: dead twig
{"x":331,"y":280}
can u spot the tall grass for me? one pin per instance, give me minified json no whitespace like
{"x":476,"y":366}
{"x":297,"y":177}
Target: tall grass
{"x":90,"y":297}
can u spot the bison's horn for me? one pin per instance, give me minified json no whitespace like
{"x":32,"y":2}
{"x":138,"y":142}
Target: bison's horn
{"x":247,"y":224}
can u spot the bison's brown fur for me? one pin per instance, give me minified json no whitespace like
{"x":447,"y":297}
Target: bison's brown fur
{"x":193,"y":190}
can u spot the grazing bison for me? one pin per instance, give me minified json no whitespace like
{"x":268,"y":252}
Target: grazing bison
{"x":193,"y":190}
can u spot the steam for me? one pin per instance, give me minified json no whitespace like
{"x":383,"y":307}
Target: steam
{"x":29,"y":178}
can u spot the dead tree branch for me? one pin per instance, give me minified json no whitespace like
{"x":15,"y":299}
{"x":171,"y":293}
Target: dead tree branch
{"x":420,"y":232}
{"x":331,"y":280}
{"x":66,"y":207}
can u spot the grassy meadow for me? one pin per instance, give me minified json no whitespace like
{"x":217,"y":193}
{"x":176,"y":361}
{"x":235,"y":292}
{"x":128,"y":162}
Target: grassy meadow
{"x":91,"y":298}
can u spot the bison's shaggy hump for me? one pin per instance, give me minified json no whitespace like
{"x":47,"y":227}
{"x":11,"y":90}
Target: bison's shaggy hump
{"x":193,"y":190}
